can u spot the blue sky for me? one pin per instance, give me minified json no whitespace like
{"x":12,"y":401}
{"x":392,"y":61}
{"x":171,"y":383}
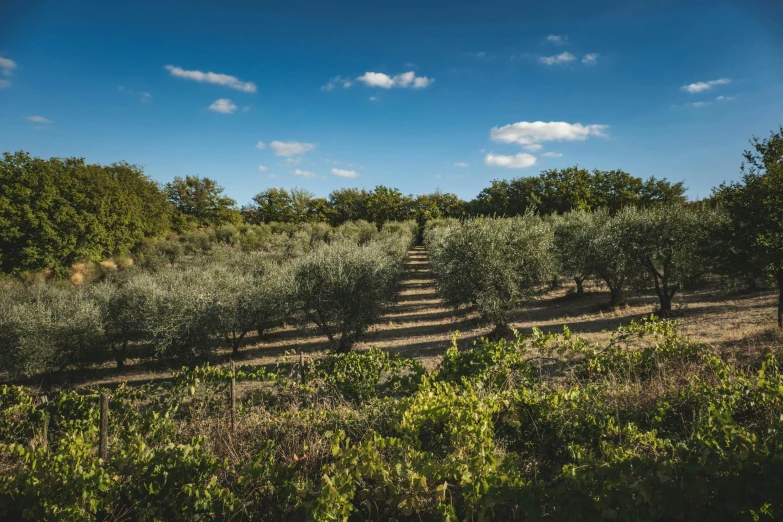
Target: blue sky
{"x":416,"y":95}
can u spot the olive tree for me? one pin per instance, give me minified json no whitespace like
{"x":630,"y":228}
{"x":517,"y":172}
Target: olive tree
{"x":183,"y":315}
{"x":45,"y":328}
{"x":343,"y":287}
{"x":250,"y":300}
{"x":573,"y":235}
{"x":491,"y":263}
{"x":667,"y":244}
{"x":610,"y":256}
{"x":125,"y":304}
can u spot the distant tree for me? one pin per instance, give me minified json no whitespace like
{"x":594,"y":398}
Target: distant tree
{"x":284,"y":206}
{"x":388,"y":204}
{"x":755,"y":208}
{"x":348,"y":204}
{"x":202,"y":201}
{"x":573,"y":188}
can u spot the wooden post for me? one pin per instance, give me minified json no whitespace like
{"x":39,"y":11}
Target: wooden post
{"x":103,"y":448}
{"x":44,"y":405}
{"x":233,"y":400}
{"x":302,"y":366}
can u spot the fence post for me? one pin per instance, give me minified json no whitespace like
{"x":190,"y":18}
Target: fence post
{"x":233,"y":399}
{"x":103,"y":447}
{"x":45,"y":404}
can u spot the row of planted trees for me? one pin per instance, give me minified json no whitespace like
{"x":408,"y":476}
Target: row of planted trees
{"x":191,"y":309}
{"x":492,"y":263}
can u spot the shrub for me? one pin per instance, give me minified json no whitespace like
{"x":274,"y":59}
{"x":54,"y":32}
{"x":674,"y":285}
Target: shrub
{"x":573,"y":234}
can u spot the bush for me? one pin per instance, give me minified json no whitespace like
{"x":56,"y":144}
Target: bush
{"x":573,"y":234}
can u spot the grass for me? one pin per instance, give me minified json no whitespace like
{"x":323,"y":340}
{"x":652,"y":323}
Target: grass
{"x":740,"y":325}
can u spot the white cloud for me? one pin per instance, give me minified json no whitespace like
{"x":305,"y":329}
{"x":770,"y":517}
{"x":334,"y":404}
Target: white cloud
{"x":704,"y":86}
{"x":293,"y":161}
{"x":563,"y":57}
{"x":552,"y":155}
{"x":38,"y":119}
{"x":725,"y":98}
{"x":590,"y":59}
{"x":303,"y":173}
{"x":373,"y":98}
{"x":345,"y":173}
{"x":260,"y":145}
{"x":404,"y":80}
{"x":210,"y":77}
{"x":337,"y":81}
{"x":7,"y":66}
{"x":518,"y":161}
{"x":4,"y":84}
{"x":287,"y":149}
{"x":532,"y":147}
{"x":699,"y":105}
{"x":223,"y":106}
{"x":262,"y":168}
{"x":557,"y":39}
{"x":530,"y":133}
{"x":461,"y":164}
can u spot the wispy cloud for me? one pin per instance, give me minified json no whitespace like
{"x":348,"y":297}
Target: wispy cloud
{"x":261,"y":145}
{"x":373,"y":98}
{"x":552,"y":155}
{"x":337,"y":81}
{"x":590,"y":59}
{"x":345,"y":173}
{"x":518,"y":161}
{"x":262,"y":168}
{"x":39,"y":119}
{"x":404,"y":80}
{"x":461,"y":164}
{"x":209,"y":77}
{"x":529,"y":134}
{"x":725,"y":98}
{"x":4,"y":83}
{"x":564,"y":57}
{"x":144,"y":97}
{"x":704,"y":86}
{"x":7,"y":66}
{"x":223,"y":106}
{"x":303,"y":173}
{"x":557,"y":39}
{"x":287,"y":149}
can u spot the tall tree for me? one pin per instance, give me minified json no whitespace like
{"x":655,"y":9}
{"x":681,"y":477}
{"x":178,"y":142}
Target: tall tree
{"x":755,"y":207}
{"x":202,"y":201}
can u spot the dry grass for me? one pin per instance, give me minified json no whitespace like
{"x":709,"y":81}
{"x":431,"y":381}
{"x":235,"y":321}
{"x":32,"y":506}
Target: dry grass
{"x":740,"y":325}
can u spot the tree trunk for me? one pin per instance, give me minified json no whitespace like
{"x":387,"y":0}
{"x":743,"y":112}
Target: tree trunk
{"x":618,"y":297}
{"x":780,"y":298}
{"x":580,"y":288}
{"x":119,"y":356}
{"x":666,"y":304}
{"x":554,"y":283}
{"x":752,"y":286}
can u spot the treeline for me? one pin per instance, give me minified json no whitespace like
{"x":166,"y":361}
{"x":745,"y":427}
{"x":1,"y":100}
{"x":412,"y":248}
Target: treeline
{"x":213,"y":291}
{"x":57,"y":212}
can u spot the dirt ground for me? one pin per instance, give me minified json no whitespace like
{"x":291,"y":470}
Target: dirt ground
{"x":737,"y":323}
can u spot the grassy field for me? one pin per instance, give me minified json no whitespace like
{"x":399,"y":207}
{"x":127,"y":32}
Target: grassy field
{"x":739,"y":324}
